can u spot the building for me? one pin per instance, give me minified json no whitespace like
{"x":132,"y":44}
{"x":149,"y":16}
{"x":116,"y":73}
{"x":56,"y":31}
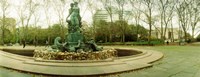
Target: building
{"x":169,"y":35}
{"x":103,"y":15}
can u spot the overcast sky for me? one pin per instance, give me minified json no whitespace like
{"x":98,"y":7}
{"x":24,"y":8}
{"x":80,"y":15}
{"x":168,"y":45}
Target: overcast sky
{"x":53,"y":15}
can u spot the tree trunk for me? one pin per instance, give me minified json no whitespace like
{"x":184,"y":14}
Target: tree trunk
{"x":185,"y":35}
{"x":3,"y":28}
{"x":161,"y":26}
{"x":192,"y":32}
{"x":137,"y":31}
{"x":110,"y":31}
{"x":150,"y":26}
{"x":106,"y":39}
{"x":172,"y":29}
{"x":149,"y":37}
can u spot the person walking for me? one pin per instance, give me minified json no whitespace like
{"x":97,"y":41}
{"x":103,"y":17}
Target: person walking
{"x":24,"y":43}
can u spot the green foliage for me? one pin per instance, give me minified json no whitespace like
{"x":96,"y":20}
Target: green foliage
{"x":118,"y":30}
{"x":198,"y":37}
{"x":55,"y":31}
{"x":104,"y":32}
{"x":87,"y":32}
{"x":9,"y":36}
{"x":40,"y":36}
{"x":7,"y":27}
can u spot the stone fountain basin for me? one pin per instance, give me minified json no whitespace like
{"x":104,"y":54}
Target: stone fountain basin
{"x":129,"y":59}
{"x":22,"y":52}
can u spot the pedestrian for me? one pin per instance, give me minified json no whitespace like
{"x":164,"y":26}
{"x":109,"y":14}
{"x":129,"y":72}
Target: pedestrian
{"x":24,"y":43}
{"x":167,"y":42}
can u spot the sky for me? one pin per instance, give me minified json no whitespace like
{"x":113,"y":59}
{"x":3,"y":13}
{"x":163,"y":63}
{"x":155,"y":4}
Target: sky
{"x":53,"y":15}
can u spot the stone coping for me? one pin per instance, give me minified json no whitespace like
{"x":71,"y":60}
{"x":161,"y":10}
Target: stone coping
{"x":80,"y":68}
{"x":74,"y":61}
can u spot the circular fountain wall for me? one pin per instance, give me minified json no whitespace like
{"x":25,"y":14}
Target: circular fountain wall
{"x":107,"y":53}
{"x":127,"y":52}
{"x":23,"y":52}
{"x":126,"y":59}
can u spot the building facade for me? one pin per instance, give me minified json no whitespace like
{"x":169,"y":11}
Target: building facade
{"x":171,"y":34}
{"x":104,"y":15}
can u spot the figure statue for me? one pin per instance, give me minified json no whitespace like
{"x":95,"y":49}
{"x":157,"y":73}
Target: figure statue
{"x":75,"y":40}
{"x":75,"y":19}
{"x":57,"y":45}
{"x":70,"y":27}
{"x":94,"y":46}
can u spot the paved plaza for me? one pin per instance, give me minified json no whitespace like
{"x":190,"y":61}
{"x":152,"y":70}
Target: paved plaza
{"x":178,"y":61}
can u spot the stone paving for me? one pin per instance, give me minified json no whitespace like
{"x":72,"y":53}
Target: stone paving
{"x":178,"y":61}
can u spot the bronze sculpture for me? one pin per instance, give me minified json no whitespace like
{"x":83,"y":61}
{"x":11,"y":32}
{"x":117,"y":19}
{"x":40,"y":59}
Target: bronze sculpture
{"x":75,"y":40}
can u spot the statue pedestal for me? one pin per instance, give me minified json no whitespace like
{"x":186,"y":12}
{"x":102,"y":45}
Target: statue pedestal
{"x":76,"y":41}
{"x":74,"y":37}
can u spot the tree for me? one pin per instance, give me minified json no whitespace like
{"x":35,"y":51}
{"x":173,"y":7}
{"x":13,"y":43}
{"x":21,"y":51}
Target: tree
{"x":25,"y":13}
{"x":87,"y":30}
{"x":122,"y":28}
{"x":198,"y":37}
{"x":136,"y":4}
{"x":4,"y":8}
{"x":91,"y":5}
{"x":60,"y":7}
{"x":109,"y":8}
{"x":183,"y":15}
{"x":194,"y":15}
{"x":166,"y":8}
{"x":120,"y":5}
{"x":136,"y":32}
{"x":9,"y":36}
{"x":46,"y":8}
{"x":55,"y":31}
{"x":36,"y":20}
{"x":149,"y":5}
{"x":102,"y":30}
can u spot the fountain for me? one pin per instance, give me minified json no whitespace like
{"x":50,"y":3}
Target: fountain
{"x":76,"y":47}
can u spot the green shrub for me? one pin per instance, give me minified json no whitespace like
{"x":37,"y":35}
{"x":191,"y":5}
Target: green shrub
{"x":198,"y":38}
